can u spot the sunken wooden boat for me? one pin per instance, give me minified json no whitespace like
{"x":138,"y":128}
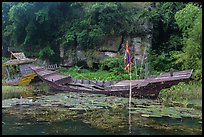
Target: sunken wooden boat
{"x":140,"y":88}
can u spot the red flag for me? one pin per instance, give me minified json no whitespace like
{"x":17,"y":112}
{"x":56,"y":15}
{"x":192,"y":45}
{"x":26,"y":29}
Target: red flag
{"x":127,"y":58}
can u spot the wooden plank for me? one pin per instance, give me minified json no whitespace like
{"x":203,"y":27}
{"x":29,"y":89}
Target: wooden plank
{"x":46,"y":72}
{"x":54,"y":78}
{"x":87,"y":86}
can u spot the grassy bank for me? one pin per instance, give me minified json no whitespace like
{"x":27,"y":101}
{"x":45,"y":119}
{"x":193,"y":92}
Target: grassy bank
{"x":183,"y":94}
{"x":16,"y":91}
{"x":24,"y":91}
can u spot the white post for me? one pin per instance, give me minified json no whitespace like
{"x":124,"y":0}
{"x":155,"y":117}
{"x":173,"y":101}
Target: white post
{"x":130,"y":94}
{"x":130,"y":97}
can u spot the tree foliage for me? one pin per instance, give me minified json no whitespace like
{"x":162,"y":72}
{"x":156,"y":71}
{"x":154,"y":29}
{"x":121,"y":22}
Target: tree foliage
{"x":166,"y":35}
{"x":164,"y":24}
{"x":177,"y":37}
{"x":189,"y":20}
{"x":35,"y":26}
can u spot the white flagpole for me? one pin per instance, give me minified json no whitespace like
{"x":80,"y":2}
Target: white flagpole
{"x":130,"y":97}
{"x":130,"y":94}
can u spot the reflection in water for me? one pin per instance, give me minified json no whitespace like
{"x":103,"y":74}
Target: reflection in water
{"x":87,"y":125}
{"x":129,"y":121}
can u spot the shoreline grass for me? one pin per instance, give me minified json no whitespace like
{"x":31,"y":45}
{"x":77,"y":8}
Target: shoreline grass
{"x":183,"y":94}
{"x":15,"y":91}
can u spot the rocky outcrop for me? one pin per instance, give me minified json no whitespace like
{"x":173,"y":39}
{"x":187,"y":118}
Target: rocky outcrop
{"x":139,"y":45}
{"x":110,"y":48}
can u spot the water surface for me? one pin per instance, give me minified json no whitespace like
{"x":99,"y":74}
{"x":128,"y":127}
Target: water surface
{"x":95,"y":114}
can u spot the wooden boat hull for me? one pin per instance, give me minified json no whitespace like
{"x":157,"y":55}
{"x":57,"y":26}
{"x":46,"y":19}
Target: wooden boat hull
{"x":25,"y":80}
{"x":140,"y":88}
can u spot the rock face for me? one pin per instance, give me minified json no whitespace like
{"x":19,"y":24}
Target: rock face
{"x":110,"y":48}
{"x":111,"y":44}
{"x":137,"y":51}
{"x":139,"y":45}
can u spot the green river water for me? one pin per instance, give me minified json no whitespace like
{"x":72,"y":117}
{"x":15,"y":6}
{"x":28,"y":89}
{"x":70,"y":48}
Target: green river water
{"x":14,"y":126}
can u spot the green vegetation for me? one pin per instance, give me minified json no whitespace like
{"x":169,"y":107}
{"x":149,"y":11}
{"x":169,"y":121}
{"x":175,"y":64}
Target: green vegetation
{"x":4,"y":59}
{"x":24,"y":91}
{"x":76,"y":72}
{"x":166,"y":36}
{"x":186,"y":95}
{"x":189,"y":21}
{"x":177,"y":38}
{"x":15,"y":91}
{"x":39,"y":28}
{"x":113,"y":119}
{"x":109,"y":69}
{"x":49,"y":114}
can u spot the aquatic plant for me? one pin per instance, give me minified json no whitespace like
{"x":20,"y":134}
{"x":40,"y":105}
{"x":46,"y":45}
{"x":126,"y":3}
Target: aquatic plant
{"x":182,"y":95}
{"x":15,"y":91}
{"x":49,"y":114}
{"x":111,"y":120}
{"x":40,"y":88}
{"x":164,"y":111}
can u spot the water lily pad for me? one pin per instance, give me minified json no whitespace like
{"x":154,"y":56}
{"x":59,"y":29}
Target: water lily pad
{"x":149,"y":115}
{"x":46,"y":105}
{"x":77,"y":108}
